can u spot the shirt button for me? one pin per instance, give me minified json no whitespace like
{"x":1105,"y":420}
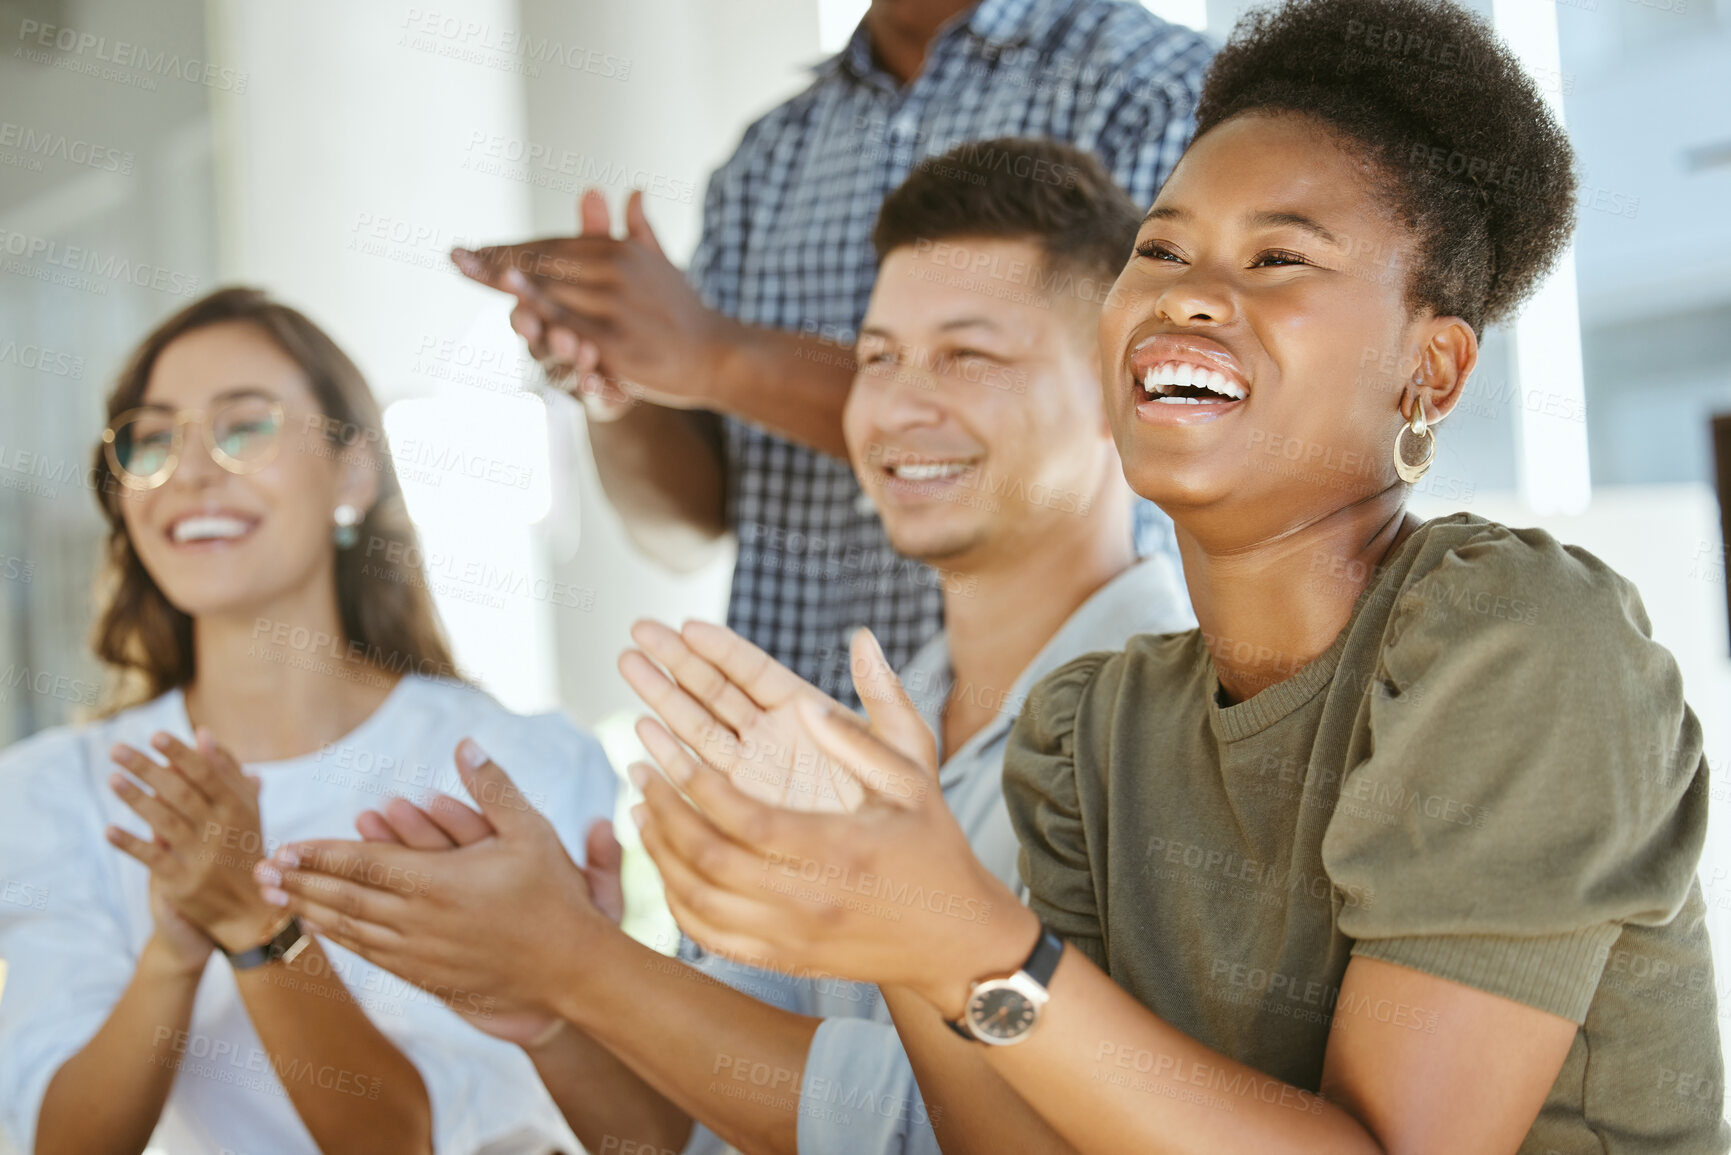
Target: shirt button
{"x":904,"y":124}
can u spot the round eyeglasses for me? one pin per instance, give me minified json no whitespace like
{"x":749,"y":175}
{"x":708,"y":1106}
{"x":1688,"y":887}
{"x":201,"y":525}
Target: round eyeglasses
{"x":242,"y":434}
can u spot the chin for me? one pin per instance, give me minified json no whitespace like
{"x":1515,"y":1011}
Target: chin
{"x":199,"y":600}
{"x":209,"y":591}
{"x":936,"y":547}
{"x":1174,"y":490}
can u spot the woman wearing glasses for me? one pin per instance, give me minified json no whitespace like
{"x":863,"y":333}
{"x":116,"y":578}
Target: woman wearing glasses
{"x":264,"y":607}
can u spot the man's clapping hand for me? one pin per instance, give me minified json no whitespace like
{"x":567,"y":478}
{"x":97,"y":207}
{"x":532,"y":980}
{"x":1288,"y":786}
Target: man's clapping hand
{"x":612,"y":320}
{"x":484,"y":909}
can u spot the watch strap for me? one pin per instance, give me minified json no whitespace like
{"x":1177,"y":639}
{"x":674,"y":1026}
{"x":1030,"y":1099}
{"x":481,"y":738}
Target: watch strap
{"x":1043,"y":960}
{"x":288,"y":941}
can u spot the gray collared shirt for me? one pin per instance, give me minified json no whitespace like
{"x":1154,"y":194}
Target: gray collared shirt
{"x":859,"y":1095}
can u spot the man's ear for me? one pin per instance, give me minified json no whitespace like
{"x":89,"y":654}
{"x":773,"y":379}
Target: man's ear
{"x":1445,"y":361}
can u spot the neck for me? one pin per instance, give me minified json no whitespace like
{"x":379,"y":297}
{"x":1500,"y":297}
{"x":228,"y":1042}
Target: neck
{"x":902,"y":30}
{"x":1000,"y":615}
{"x":278,"y":681}
{"x":1269,"y":608}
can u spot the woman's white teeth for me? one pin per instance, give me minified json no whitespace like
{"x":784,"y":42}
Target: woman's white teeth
{"x":928,"y":471}
{"x":1163,"y":381}
{"x":214,"y":528}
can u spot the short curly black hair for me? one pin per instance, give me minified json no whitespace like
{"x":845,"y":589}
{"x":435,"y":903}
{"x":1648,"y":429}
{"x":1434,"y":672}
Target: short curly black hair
{"x":1016,"y":188}
{"x":1472,"y":161}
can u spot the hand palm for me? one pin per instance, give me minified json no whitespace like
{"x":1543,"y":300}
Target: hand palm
{"x":774,"y":759}
{"x":652,"y":342}
{"x":737,"y":709}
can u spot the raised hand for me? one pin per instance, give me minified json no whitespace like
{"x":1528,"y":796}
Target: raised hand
{"x":614,"y":319}
{"x":206,"y":836}
{"x":569,"y":361}
{"x":734,"y":706}
{"x":488,"y":925}
{"x":889,"y":893}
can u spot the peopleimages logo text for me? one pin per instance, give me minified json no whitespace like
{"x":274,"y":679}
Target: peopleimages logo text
{"x":124,"y":54}
{"x":79,"y":259}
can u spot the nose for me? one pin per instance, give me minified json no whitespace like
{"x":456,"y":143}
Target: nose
{"x":196,"y":469}
{"x":908,"y":396}
{"x":1195,"y":299}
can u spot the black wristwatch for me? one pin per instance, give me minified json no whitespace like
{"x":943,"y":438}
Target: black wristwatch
{"x":288,"y":941}
{"x":1003,"y":1011}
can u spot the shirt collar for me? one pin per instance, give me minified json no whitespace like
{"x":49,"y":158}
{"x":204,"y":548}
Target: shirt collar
{"x":1003,"y":22}
{"x":855,"y":56}
{"x":1011,"y":21}
{"x":1146,"y":598}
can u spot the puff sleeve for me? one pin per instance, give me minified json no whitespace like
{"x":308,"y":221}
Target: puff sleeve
{"x":1534,"y":780}
{"x":1045,"y":807}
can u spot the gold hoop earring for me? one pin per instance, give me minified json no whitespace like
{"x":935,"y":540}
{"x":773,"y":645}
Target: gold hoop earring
{"x":1411,"y":471}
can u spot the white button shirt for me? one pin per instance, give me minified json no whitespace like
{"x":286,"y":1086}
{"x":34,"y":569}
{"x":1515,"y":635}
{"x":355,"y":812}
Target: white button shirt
{"x":75,"y":915}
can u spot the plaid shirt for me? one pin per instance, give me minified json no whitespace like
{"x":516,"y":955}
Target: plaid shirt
{"x":787,"y":244}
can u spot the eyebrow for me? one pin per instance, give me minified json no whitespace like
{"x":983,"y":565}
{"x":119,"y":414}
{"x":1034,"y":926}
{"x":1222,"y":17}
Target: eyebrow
{"x":1294,"y":220}
{"x":947,"y":326}
{"x":225,"y":395}
{"x":1267,"y":218}
{"x":969,"y":323}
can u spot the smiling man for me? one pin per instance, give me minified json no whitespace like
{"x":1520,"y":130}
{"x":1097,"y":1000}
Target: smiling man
{"x":976,"y":426}
{"x":740,"y":375}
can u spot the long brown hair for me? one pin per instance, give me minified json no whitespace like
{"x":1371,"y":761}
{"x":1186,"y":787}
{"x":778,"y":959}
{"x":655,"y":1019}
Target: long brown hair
{"x":387,"y":616}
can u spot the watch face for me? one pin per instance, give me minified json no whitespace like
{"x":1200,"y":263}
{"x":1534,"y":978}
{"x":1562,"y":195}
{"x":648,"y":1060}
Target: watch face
{"x":1001,"y":1012}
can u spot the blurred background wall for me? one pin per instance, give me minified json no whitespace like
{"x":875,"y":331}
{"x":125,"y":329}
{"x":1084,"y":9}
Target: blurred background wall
{"x":333,"y":152}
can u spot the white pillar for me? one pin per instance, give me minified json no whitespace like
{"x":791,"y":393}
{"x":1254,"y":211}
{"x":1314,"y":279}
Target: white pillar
{"x":1550,"y":398}
{"x":342,"y":182}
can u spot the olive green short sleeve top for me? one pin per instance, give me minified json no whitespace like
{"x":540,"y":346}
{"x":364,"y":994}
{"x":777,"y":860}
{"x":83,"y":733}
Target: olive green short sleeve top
{"x":1491,"y":776}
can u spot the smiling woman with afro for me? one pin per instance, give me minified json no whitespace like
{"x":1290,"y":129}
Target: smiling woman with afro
{"x":1396,"y":852}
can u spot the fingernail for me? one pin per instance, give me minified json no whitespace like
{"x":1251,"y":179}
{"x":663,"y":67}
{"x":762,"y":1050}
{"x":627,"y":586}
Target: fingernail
{"x":159,"y":740}
{"x":274,"y":896}
{"x":637,"y":772}
{"x":470,"y":756}
{"x":288,"y":856}
{"x":117,"y":781}
{"x":639,"y":815}
{"x":263,"y":872}
{"x":516,"y":280}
